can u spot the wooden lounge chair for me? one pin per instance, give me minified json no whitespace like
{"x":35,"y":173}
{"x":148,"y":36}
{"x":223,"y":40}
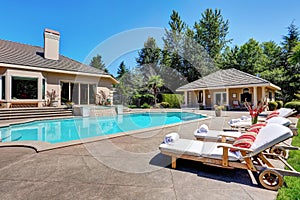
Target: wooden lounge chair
{"x":220,"y":154}
{"x":244,"y":124}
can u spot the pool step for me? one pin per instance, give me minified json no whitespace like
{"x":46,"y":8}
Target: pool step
{"x":27,"y":113}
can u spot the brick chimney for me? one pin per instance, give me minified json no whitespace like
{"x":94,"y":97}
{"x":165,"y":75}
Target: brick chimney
{"x":51,"y":44}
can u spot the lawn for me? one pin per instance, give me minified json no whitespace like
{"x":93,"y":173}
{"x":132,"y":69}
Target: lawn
{"x":292,"y":188}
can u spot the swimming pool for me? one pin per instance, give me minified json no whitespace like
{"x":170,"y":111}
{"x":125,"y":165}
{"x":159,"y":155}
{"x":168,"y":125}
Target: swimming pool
{"x":63,"y":130}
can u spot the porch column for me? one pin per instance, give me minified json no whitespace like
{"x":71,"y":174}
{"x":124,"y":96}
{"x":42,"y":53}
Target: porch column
{"x":185,"y":98}
{"x":227,"y":96}
{"x":255,"y":95}
{"x":203,"y":98}
{"x":263,"y":93}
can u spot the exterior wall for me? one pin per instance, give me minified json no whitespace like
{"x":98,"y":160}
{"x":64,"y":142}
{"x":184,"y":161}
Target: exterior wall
{"x":52,"y":80}
{"x":237,"y":92}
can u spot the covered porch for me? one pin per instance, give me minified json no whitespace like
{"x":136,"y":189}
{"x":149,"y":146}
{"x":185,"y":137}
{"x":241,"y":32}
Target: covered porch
{"x":231,"y":98}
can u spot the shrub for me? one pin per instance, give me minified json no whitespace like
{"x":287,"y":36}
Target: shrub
{"x":294,"y":105}
{"x":132,"y":106}
{"x":272,"y":105}
{"x":145,"y":105}
{"x":174,"y":100}
{"x":279,"y":104}
{"x":165,"y":104}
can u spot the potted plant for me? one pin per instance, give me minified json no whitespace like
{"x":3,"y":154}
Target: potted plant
{"x":69,"y":104}
{"x":218,"y":110}
{"x":52,"y":98}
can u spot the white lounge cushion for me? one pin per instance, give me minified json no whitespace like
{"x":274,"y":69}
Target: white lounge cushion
{"x":183,"y":146}
{"x":269,"y":136}
{"x":285,"y":112}
{"x":211,"y":150}
{"x":279,"y":120}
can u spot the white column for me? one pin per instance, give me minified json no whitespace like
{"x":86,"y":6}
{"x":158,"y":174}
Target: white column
{"x":185,"y":98}
{"x":255,"y":96}
{"x":227,"y":96}
{"x":263,"y":93}
{"x":204,"y":98}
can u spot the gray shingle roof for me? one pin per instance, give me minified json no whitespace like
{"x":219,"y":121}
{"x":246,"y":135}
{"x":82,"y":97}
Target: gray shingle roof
{"x":27,"y":55}
{"x":225,"y":78}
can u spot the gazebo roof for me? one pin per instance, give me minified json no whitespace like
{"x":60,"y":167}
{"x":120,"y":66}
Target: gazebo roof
{"x":228,"y":78}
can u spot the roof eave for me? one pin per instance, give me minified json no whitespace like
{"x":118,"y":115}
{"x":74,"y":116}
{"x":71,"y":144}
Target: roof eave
{"x":58,"y":71}
{"x":232,"y":86}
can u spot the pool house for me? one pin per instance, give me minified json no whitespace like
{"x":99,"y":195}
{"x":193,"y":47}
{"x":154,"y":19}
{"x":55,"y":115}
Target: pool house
{"x":230,"y":87}
{"x":30,"y":76}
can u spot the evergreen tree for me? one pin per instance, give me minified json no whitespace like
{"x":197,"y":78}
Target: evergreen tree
{"x":149,"y":57}
{"x":290,"y":84}
{"x":121,"y":70}
{"x":230,"y":58}
{"x":97,"y":63}
{"x":291,"y":39}
{"x":211,"y":32}
{"x":272,"y":51}
{"x":251,"y":57}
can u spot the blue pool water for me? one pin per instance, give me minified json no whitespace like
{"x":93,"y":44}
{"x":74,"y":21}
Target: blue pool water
{"x":62,"y":130}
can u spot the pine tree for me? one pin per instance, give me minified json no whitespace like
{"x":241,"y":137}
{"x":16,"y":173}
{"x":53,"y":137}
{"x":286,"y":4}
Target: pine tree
{"x":211,"y":32}
{"x":121,"y":70}
{"x":97,"y":63}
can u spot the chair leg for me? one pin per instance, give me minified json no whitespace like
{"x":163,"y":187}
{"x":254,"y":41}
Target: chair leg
{"x":173,"y":162}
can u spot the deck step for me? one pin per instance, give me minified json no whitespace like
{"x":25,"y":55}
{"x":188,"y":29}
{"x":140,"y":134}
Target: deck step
{"x":24,"y":113}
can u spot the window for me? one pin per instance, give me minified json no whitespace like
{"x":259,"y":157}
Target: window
{"x":78,"y":91}
{"x":43,"y":88}
{"x":83,"y":93}
{"x":92,"y":91}
{"x":246,"y":96}
{"x":220,"y":98}
{"x":270,"y":96}
{"x":24,"y":88}
{"x":64,"y":92}
{"x":2,"y":87}
{"x":75,"y":93}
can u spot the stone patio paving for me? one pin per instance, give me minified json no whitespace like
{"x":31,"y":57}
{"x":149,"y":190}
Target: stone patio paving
{"x":128,"y":167}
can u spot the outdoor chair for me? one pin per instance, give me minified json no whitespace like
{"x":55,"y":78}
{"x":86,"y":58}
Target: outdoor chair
{"x":226,"y":155}
{"x":245,"y":122}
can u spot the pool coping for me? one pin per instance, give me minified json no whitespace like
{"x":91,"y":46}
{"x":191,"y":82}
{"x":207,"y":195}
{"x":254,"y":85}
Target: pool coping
{"x":40,"y":146}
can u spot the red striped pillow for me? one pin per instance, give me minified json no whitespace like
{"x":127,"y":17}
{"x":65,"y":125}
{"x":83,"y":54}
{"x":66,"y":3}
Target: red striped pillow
{"x":244,"y":141}
{"x":272,"y":115}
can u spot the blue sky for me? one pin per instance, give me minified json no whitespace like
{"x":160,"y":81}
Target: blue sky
{"x":92,"y":25}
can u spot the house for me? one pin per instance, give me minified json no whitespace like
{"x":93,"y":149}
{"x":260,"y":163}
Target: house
{"x":229,"y":87}
{"x":29,"y":75}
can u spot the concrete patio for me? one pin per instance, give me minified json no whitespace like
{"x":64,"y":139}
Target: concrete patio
{"x":127,"y":167}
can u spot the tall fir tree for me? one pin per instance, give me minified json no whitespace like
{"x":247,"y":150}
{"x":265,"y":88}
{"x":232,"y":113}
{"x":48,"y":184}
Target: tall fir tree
{"x":121,"y":70}
{"x":149,"y":58}
{"x":98,"y":63}
{"x":211,"y":32}
{"x":291,"y":76}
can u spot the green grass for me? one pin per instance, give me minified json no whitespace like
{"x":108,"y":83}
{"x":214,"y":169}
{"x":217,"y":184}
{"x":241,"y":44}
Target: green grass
{"x":292,"y":189}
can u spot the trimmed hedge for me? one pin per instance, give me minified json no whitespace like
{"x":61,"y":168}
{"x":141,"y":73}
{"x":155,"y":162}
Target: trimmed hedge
{"x":293,"y":104}
{"x":145,"y":105}
{"x":279,"y":104}
{"x":174,"y":100}
{"x":165,"y":104}
{"x":272,"y":105}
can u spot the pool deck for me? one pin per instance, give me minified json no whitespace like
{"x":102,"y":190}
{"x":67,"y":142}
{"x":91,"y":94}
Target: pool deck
{"x":127,"y":167}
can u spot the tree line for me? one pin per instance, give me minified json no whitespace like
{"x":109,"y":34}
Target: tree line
{"x":190,"y":53}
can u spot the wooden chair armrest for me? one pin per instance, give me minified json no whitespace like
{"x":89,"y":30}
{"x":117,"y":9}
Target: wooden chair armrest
{"x":226,"y":135}
{"x":226,"y":145}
